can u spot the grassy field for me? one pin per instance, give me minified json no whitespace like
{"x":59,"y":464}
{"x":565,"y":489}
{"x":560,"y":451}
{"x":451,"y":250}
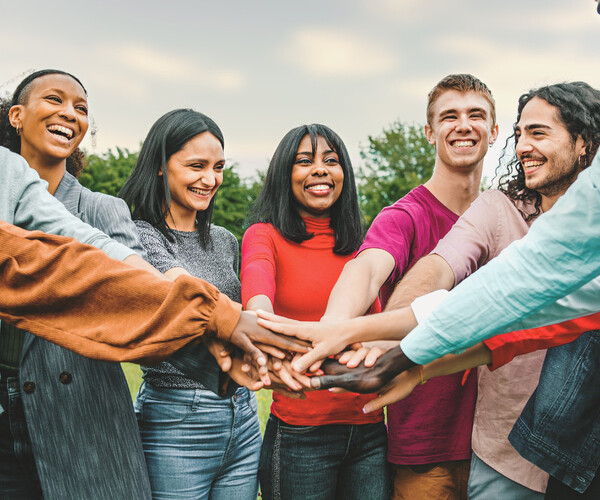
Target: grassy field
{"x":134,"y":379}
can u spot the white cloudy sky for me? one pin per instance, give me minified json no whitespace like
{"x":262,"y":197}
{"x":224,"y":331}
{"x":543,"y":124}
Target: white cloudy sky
{"x":261,"y":67}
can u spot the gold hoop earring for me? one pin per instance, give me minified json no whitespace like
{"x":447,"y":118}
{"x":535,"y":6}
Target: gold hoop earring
{"x":18,"y":128}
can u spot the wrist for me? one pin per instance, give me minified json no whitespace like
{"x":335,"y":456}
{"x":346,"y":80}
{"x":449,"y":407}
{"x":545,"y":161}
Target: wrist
{"x":392,"y":363}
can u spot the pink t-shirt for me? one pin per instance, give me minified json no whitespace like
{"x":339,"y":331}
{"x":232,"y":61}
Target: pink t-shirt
{"x":490,"y":224}
{"x":434,"y":423}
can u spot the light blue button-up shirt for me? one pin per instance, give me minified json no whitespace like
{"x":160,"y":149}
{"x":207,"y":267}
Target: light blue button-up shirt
{"x":520,"y":288}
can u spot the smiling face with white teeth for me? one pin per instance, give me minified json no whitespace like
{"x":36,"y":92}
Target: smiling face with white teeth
{"x":53,"y":120}
{"x":548,"y":154}
{"x":195,"y":172}
{"x":317,"y":178}
{"x":461,"y":129}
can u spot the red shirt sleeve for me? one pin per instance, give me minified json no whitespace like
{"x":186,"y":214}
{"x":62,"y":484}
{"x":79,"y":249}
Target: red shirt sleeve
{"x":505,"y":347}
{"x":258,"y":263}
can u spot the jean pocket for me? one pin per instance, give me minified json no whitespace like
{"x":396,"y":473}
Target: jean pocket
{"x":163,"y":413}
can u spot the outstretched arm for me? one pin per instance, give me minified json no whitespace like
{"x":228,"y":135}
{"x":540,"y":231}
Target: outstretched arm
{"x":556,"y":257}
{"x":494,"y":352}
{"x":404,"y":383}
{"x":430,"y":273}
{"x":76,"y":296}
{"x":358,"y":285}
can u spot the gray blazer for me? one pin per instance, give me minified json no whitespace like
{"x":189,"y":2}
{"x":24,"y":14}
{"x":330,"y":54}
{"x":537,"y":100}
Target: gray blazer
{"x":80,"y":417}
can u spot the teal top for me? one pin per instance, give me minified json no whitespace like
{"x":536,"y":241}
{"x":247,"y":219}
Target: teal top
{"x":521,"y":287}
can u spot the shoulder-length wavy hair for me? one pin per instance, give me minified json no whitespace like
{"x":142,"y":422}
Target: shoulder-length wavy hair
{"x":276,"y":203}
{"x":147,"y":192}
{"x":8,"y":135}
{"x":578,"y":106}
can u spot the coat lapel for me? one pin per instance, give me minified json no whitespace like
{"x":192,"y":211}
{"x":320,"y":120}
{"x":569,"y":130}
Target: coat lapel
{"x":69,"y":194}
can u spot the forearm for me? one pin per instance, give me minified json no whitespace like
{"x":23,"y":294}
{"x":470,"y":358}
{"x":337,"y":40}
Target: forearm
{"x":477,"y":355}
{"x":389,"y":325}
{"x":428,"y":274}
{"x":77,"y":297}
{"x":357,"y":287}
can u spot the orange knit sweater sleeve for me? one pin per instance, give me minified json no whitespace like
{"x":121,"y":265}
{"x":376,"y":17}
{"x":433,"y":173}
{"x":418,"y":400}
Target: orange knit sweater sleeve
{"x":79,"y":298}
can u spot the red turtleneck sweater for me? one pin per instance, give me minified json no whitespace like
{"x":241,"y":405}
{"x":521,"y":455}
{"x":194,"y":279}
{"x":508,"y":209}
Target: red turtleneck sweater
{"x":297,"y":278}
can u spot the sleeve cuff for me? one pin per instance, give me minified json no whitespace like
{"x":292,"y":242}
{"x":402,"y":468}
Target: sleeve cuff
{"x":224,"y":317}
{"x":423,"y":306}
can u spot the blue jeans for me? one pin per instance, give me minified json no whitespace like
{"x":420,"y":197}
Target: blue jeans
{"x":485,"y":482}
{"x":198,"y":445}
{"x":323,"y":462}
{"x":18,"y":473}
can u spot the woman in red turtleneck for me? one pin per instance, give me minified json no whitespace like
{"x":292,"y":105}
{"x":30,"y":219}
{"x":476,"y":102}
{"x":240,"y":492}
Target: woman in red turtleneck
{"x":306,"y":226}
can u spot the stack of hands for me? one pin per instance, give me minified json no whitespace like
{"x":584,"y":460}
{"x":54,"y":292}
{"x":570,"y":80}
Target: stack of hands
{"x":292,"y":357}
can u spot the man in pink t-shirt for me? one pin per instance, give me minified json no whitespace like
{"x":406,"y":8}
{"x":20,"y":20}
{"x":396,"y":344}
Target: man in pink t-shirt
{"x":429,"y":432}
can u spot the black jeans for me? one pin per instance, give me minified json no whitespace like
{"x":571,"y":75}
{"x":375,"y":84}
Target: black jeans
{"x":18,"y":474}
{"x":324,"y":462}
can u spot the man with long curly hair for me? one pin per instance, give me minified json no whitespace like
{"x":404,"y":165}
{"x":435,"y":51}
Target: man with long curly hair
{"x":555,"y":137}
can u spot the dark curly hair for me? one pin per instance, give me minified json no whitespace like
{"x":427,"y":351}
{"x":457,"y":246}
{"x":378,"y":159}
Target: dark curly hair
{"x":578,"y":106}
{"x":276,"y":205}
{"x":8,"y":135}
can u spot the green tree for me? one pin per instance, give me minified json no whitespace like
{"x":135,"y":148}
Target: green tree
{"x":394,"y":163}
{"x":234,"y":200}
{"x":108,"y":172}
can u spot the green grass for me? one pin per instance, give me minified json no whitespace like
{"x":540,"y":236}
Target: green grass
{"x":134,"y":379}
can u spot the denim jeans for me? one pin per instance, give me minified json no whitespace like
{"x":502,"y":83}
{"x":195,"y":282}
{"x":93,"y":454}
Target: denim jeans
{"x":485,"y":482}
{"x":18,"y":473}
{"x":198,"y":445}
{"x":323,"y":462}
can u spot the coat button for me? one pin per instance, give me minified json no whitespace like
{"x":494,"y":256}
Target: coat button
{"x":29,"y":387}
{"x":65,"y":378}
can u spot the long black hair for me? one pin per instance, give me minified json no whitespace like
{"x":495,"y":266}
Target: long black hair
{"x":276,"y":202}
{"x":8,"y":135}
{"x":146,"y":191}
{"x":578,"y":106}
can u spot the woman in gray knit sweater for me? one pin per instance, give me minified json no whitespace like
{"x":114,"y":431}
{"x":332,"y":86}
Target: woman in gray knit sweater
{"x":199,"y":430}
